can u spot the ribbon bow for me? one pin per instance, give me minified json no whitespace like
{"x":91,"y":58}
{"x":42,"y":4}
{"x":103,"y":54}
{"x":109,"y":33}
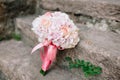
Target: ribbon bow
{"x":49,"y":55}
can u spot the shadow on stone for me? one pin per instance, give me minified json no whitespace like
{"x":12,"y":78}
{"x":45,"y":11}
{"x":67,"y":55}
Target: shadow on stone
{"x":2,"y":76}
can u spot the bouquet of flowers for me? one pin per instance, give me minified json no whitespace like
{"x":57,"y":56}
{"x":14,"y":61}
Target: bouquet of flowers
{"x":54,"y":31}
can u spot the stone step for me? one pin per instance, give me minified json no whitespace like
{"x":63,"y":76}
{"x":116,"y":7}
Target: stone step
{"x":97,"y":8}
{"x":16,"y":63}
{"x":100,"y":47}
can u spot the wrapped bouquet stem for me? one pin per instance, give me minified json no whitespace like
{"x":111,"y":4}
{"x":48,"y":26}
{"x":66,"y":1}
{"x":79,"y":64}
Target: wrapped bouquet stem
{"x":55,"y":31}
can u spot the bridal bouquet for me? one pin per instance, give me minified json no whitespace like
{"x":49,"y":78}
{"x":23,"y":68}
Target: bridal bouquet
{"x":55,"y":31}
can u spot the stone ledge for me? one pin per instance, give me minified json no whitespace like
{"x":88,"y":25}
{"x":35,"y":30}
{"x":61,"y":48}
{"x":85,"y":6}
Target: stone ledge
{"x":17,"y":63}
{"x":97,"y":8}
{"x":100,"y":47}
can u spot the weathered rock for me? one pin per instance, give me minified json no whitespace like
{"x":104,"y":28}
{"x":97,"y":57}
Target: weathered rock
{"x":2,"y":76}
{"x":99,"y":23}
{"x":14,"y":8}
{"x":100,"y":47}
{"x":28,"y":36}
{"x":97,"y":8}
{"x":16,"y":63}
{"x":9,"y":9}
{"x":2,"y":11}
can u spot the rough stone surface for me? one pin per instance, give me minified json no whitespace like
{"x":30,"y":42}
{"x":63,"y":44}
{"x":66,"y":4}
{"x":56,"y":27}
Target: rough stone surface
{"x":9,"y":9}
{"x":2,"y":76}
{"x":28,"y":36}
{"x":98,"y":23}
{"x":100,"y":47}
{"x":16,"y":63}
{"x":97,"y":8}
{"x":1,"y":12}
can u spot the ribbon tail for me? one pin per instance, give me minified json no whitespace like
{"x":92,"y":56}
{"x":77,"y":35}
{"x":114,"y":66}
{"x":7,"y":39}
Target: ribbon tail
{"x":49,"y":57}
{"x":42,"y":55}
{"x":46,"y":43}
{"x":52,"y":51}
{"x":37,"y":47}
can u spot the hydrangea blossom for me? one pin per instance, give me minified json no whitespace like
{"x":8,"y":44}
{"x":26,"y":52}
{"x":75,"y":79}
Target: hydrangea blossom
{"x":58,"y":28}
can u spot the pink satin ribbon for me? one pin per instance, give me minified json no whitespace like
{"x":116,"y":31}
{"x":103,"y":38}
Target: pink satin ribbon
{"x":49,"y":55}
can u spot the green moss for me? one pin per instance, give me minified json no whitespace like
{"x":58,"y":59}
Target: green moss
{"x":16,"y":36}
{"x":68,"y":59}
{"x":11,"y":36}
{"x":88,"y":68}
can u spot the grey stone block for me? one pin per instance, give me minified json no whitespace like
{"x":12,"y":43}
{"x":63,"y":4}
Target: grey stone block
{"x":16,"y":63}
{"x":99,"y":47}
{"x":97,"y":8}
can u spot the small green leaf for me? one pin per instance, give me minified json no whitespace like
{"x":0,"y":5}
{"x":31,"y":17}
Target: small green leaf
{"x":68,"y":59}
{"x":77,"y":66}
{"x":77,"y":61}
{"x":82,"y":62}
{"x":88,"y":63}
{"x":71,"y":65}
